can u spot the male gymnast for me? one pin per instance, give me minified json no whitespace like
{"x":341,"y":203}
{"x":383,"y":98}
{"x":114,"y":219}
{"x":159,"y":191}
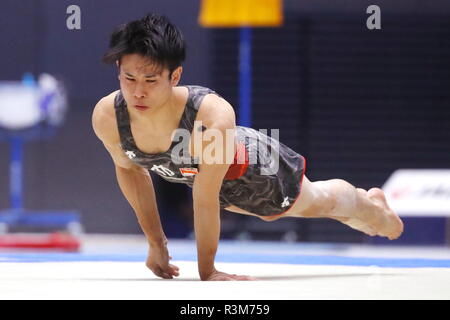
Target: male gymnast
{"x":140,"y":126}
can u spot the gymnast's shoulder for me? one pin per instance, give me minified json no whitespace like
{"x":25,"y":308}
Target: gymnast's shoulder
{"x":104,"y":119}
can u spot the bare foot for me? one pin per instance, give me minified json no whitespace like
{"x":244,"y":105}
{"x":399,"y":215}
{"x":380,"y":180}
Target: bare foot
{"x":356,"y":223}
{"x":390,"y":225}
{"x":382,"y":221}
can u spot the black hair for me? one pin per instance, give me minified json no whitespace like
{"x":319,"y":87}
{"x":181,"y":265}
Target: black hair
{"x":153,"y":37}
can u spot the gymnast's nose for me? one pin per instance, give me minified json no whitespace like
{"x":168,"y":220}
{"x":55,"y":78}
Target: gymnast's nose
{"x":139,"y":91}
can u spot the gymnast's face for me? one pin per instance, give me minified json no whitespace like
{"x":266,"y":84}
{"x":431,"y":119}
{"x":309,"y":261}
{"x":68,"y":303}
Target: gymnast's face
{"x":144,"y":83}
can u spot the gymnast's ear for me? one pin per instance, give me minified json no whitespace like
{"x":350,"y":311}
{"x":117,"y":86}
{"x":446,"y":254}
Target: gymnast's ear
{"x":176,"y":76}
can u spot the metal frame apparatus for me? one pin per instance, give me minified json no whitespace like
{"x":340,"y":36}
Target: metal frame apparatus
{"x":17,"y":216}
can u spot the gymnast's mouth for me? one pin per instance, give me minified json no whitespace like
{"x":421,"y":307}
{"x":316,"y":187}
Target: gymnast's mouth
{"x":142,"y":108}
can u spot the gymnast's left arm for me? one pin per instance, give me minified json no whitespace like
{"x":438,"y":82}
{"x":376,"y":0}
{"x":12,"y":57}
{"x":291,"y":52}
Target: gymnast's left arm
{"x":207,"y":217}
{"x":207,"y":184}
{"x":207,"y":222}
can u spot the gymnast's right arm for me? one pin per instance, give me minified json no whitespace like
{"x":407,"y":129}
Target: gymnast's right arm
{"x":136,"y":185}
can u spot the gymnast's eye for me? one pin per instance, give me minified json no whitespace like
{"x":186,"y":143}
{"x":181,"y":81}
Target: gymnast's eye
{"x":129,"y":79}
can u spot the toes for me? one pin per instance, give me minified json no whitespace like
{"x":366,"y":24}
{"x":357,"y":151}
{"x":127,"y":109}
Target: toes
{"x":377,"y":195}
{"x":395,"y":225}
{"x":375,"y":192}
{"x":383,"y":222}
{"x":364,"y":192}
{"x":399,"y":229}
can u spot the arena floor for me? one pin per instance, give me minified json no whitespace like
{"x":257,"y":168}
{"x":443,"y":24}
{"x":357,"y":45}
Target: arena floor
{"x":113,"y":267}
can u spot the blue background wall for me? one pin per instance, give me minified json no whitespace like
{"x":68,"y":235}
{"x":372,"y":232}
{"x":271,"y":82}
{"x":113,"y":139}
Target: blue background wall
{"x":330,"y":84}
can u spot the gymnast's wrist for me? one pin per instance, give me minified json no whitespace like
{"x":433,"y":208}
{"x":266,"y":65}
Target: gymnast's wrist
{"x":157,"y":242}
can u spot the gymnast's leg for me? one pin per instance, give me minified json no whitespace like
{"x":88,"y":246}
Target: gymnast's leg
{"x":366,"y":211}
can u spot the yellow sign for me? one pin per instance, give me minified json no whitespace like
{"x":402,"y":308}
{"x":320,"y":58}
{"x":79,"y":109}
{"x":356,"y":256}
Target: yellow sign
{"x":240,"y":13}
